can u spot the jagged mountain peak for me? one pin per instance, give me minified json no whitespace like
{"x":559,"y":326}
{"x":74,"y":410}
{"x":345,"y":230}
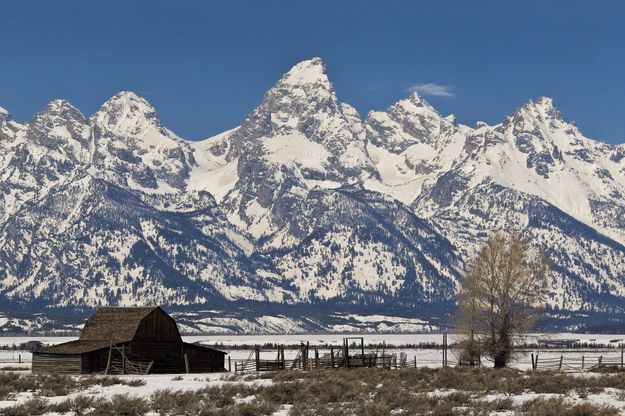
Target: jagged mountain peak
{"x":310,"y":71}
{"x":129,"y":99}
{"x":62,"y":108}
{"x":541,"y":108}
{"x":409,"y":121}
{"x":4,"y":114}
{"x":302,"y":102}
{"x":304,"y":88}
{"x":416,"y":104}
{"x":543,"y":101}
{"x":126,"y":114}
{"x":417,"y":100}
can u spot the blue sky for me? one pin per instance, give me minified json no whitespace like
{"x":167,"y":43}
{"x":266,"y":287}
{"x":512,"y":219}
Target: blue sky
{"x":204,"y":65}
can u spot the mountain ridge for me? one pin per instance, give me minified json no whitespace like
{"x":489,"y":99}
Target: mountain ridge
{"x":305,"y":202}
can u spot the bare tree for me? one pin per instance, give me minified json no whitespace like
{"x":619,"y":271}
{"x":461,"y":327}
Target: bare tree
{"x":503,"y":288}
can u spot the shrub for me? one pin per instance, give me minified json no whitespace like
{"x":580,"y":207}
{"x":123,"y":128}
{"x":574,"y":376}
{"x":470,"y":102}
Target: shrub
{"x":135,"y":382}
{"x":176,"y":403}
{"x":558,"y":407}
{"x":254,"y":409}
{"x":121,"y":405}
{"x":33,"y":407}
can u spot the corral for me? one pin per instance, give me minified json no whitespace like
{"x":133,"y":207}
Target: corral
{"x":137,"y":340}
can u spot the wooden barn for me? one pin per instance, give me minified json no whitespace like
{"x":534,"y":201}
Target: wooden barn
{"x":128,"y":341}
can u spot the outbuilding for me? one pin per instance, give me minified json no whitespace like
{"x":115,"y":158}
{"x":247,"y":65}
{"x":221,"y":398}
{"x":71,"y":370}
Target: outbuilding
{"x":122,"y":340}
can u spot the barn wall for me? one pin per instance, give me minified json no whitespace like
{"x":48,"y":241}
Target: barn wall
{"x":157,"y":326}
{"x":167,"y":356}
{"x":95,"y":361}
{"x":204,"y":360}
{"x":57,"y":363}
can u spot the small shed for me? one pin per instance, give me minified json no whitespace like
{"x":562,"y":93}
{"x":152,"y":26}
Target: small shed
{"x":121,"y":340}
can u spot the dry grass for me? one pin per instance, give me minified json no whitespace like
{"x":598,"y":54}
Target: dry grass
{"x":559,"y":407}
{"x":54,"y":384}
{"x":447,"y":391}
{"x":14,"y":368}
{"x":367,"y":392}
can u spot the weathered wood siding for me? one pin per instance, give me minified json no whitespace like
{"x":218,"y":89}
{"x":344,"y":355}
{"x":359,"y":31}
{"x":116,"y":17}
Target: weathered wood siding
{"x":96,"y":361}
{"x":158,"y":327}
{"x":204,"y":360}
{"x":57,"y":363}
{"x":167,"y":356}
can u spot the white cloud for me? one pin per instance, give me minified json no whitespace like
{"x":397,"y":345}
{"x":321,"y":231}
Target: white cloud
{"x":433,"y":89}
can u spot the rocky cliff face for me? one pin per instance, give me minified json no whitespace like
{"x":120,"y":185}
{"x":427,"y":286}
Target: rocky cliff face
{"x":303,"y":203}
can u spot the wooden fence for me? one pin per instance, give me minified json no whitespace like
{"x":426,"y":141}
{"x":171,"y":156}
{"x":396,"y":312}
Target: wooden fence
{"x":576,"y":363}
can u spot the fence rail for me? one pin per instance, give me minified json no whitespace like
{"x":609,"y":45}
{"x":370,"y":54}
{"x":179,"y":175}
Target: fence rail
{"x":354,"y":354}
{"x":575,"y":363}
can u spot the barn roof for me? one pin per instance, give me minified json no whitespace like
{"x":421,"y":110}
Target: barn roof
{"x":117,"y":324}
{"x":74,"y":347}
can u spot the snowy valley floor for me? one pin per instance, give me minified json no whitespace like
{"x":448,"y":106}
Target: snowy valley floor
{"x":426,"y":391}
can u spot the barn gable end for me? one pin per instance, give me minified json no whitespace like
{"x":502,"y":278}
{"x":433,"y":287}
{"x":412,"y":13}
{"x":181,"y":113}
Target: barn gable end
{"x":157,"y":326}
{"x":115,"y":324}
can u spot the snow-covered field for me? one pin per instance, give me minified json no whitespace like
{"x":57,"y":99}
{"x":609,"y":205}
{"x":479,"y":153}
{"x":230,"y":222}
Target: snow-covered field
{"x":605,"y":346}
{"x":503,"y":402}
{"x":397,"y":343}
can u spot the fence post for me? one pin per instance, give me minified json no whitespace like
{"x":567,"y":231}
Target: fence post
{"x":257,"y":353}
{"x":600,"y":359}
{"x":560,"y":365}
{"x":282,"y":357}
{"x":415,"y":361}
{"x":316,"y":358}
{"x":332,"y":355}
{"x":621,"y":354}
{"x":533,"y":368}
{"x":186,"y":364}
{"x":108,"y":363}
{"x":309,"y":365}
{"x":19,"y":359}
{"x":582,"y":362}
{"x":362,"y":351}
{"x":230,"y":364}
{"x":445,"y":350}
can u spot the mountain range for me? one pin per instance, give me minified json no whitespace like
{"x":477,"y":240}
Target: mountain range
{"x":305,"y":217}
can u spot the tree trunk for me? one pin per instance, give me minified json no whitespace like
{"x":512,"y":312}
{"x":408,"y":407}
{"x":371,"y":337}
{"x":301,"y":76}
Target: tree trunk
{"x":501,"y":359}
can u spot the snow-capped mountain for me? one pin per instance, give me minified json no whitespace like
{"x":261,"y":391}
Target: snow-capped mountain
{"x":304,"y":205}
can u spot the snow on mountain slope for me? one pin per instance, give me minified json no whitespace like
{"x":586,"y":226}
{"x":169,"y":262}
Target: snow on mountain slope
{"x":358,"y":245}
{"x":302,"y":107}
{"x":535,"y":151}
{"x":537,"y":173}
{"x":298,"y":138}
{"x":585,"y":264}
{"x":135,"y":150}
{"x":113,"y":248}
{"x":48,"y":151}
{"x":214,"y":173}
{"x":410,"y":143}
{"x":303,"y":203}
